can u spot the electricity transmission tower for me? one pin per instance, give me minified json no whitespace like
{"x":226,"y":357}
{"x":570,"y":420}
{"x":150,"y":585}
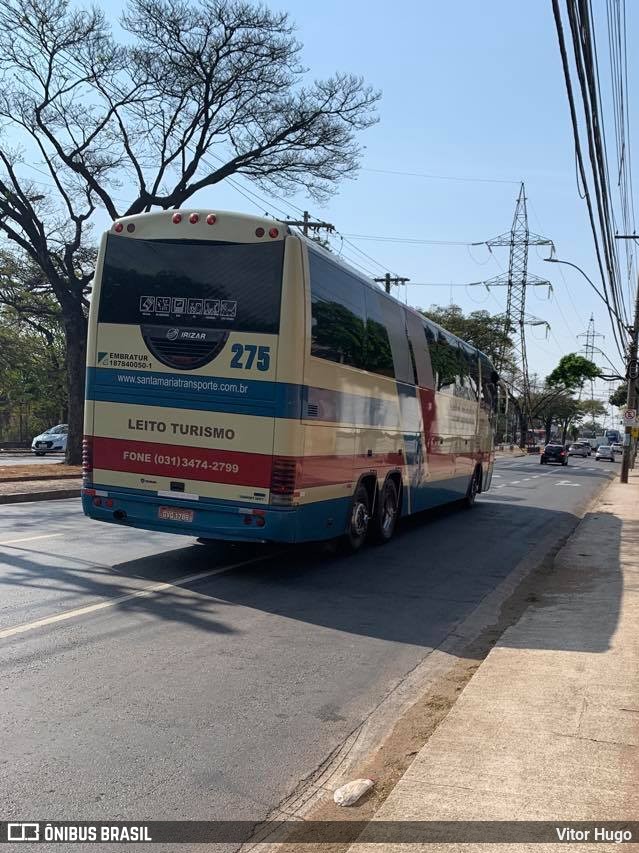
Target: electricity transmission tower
{"x":517,"y":280}
{"x":589,"y":351}
{"x":590,"y":335}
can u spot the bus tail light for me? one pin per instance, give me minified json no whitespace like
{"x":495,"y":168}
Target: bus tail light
{"x":193,"y":218}
{"x":284,"y":474}
{"x":87,"y":457}
{"x":273,"y":232}
{"x":177,"y":218}
{"x":118,"y":227}
{"x":259,"y":232}
{"x":211,"y":219}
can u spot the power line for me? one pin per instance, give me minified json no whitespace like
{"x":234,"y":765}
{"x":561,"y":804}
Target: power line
{"x":581,"y":167}
{"x":439,"y":177}
{"x":383,"y":238}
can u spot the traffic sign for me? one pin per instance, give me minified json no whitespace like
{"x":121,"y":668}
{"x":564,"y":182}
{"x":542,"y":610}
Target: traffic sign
{"x":630,"y":417}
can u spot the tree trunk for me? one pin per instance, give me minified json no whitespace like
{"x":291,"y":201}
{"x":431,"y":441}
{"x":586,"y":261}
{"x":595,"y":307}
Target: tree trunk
{"x":548,"y":427}
{"x":75,"y":330}
{"x":523,"y":429}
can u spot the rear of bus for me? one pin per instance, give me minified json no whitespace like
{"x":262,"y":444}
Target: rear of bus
{"x":194,"y":375}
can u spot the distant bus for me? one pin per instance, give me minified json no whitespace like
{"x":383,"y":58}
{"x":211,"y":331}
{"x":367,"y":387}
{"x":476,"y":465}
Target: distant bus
{"x":245,"y":384}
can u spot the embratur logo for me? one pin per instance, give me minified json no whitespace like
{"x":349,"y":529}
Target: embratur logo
{"x":23,"y":832}
{"x":102,"y":356}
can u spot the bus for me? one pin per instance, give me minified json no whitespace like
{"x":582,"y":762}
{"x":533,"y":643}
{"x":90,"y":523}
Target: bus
{"x":244,"y":384}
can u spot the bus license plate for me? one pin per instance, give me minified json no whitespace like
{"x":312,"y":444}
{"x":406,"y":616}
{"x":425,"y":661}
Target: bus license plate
{"x":172,"y":513}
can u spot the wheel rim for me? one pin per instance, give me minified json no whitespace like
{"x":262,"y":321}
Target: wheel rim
{"x":473,"y":489}
{"x":359,"y":519}
{"x":389,"y":512}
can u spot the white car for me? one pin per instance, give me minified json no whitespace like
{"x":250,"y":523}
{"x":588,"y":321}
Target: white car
{"x":617,"y":448}
{"x":604,"y":451}
{"x":53,"y":440}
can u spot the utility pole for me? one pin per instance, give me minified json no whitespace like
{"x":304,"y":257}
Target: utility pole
{"x":518,"y":279}
{"x":633,"y":375}
{"x":391,"y":279}
{"x":307,"y":224}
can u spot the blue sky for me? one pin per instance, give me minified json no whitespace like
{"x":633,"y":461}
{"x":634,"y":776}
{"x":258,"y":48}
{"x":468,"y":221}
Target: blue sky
{"x":470,"y":90}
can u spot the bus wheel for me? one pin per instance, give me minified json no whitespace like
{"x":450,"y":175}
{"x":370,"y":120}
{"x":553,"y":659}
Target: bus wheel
{"x":359,"y":521}
{"x":387,"y":512}
{"x":473,"y":489}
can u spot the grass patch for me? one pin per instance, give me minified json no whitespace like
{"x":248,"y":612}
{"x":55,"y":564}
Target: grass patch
{"x":30,"y":472}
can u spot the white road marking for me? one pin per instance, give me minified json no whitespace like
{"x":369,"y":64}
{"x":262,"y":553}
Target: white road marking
{"x":496,"y":476}
{"x":567,"y":483}
{"x":30,"y":538}
{"x":142,"y":593}
{"x":514,"y":482}
{"x":534,"y":476}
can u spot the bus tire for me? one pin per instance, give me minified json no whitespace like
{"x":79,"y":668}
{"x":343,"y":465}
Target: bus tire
{"x":358,"y":521}
{"x":387,"y":513}
{"x":474,"y":487}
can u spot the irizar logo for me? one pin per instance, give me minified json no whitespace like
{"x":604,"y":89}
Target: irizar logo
{"x":185,"y":335}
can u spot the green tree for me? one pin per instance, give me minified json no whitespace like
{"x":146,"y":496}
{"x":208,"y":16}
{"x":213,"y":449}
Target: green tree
{"x":572,"y":371}
{"x":194,"y":93}
{"x":619,"y":397}
{"x":32,"y":375}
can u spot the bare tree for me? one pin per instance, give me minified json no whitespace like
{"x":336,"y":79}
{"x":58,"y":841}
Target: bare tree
{"x":199,"y":92}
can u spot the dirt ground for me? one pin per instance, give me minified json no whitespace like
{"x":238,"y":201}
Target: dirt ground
{"x":14,"y":473}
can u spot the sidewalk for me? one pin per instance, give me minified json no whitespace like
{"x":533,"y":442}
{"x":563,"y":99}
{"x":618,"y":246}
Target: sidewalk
{"x":548,"y":727}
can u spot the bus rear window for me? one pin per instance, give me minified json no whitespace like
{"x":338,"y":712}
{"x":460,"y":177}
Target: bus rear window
{"x":237,"y":286}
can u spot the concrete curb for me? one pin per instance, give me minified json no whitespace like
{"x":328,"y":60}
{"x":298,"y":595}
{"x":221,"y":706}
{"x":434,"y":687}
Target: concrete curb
{"x":51,"y":495}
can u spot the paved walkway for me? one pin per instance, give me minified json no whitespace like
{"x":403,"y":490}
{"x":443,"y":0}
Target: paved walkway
{"x":548,"y":728}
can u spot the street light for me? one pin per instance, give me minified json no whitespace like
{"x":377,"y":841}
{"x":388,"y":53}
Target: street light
{"x":617,"y":375}
{"x":590,"y":282}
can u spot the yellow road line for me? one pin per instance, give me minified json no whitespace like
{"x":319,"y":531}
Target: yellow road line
{"x":142,"y":593}
{"x":30,"y":538}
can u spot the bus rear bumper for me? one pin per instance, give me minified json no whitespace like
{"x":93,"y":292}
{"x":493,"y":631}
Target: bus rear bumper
{"x":223,"y":521}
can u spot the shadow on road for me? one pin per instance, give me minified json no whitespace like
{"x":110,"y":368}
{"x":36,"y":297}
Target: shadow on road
{"x":413,"y":591}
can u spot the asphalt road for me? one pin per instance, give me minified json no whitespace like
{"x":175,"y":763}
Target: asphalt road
{"x":213,"y":699}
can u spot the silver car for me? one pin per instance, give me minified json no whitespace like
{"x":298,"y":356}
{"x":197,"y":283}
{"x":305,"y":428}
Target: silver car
{"x":604,"y":451}
{"x":579,"y":449}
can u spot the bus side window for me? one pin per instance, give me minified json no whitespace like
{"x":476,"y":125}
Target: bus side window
{"x":431,"y":335}
{"x":419,"y":346}
{"x":445,"y":358}
{"x":338,"y":313}
{"x":488,"y":387}
{"x":395,"y":321}
{"x":378,"y":354}
{"x":471,"y":380}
